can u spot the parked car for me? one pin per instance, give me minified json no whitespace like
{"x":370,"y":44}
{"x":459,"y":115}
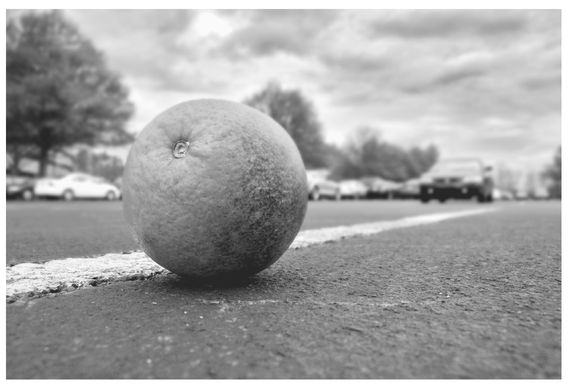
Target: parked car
{"x":20,"y":185}
{"x":77,"y":185}
{"x":502,"y":195}
{"x":380,"y":188}
{"x":457,"y":178}
{"x":408,"y":190}
{"x":322,"y":187}
{"x":353,"y":188}
{"x":521,"y":195}
{"x":540,"y":193}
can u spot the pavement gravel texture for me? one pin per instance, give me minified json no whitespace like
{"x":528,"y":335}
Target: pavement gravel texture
{"x":476,"y":298}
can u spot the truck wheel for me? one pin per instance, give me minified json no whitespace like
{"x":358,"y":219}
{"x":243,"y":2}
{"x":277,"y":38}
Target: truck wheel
{"x":481,"y":198}
{"x":424,"y":199}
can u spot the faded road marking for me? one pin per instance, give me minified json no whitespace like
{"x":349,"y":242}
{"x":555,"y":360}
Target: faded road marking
{"x":32,"y":279}
{"x":319,"y":236}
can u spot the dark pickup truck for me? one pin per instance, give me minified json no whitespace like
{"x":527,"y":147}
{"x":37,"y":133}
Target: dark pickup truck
{"x":457,"y":179}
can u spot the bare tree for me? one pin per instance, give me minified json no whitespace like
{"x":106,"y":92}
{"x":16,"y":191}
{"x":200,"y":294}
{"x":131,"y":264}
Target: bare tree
{"x":294,"y":112}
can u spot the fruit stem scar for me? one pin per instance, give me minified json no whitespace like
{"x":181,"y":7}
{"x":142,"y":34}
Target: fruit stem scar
{"x":180,"y":148}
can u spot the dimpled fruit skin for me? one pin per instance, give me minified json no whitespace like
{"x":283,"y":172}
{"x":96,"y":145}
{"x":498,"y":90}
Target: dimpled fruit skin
{"x":231,"y":206}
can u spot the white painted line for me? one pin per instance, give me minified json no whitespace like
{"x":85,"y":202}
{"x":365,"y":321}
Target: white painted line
{"x":69,"y":274}
{"x":319,"y":236}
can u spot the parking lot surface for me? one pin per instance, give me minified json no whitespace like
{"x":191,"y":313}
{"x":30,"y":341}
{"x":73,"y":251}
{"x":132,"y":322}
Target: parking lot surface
{"x":475,"y":297}
{"x":44,"y":230}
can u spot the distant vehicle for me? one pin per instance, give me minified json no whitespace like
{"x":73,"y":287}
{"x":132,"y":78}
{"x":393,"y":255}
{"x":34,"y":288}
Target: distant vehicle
{"x":380,"y":188}
{"x":540,"y":193}
{"x":408,"y":190}
{"x":457,"y":178}
{"x":521,"y":195}
{"x":77,"y":185}
{"x":502,"y":195}
{"x":321,"y":187}
{"x":353,"y":189}
{"x":20,"y":185}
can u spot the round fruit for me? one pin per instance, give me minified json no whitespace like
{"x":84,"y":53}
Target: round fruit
{"x":214,"y":188}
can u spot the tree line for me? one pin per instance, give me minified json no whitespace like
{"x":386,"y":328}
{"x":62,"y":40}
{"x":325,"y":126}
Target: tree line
{"x":367,"y":155}
{"x":60,"y":93}
{"x":553,"y":174}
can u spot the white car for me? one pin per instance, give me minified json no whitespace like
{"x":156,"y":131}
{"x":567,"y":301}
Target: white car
{"x":76,"y":185}
{"x":504,"y":195}
{"x":353,"y":189}
{"x":322,"y":187}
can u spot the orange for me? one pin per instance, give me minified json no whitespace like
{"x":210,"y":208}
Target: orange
{"x":214,"y":188}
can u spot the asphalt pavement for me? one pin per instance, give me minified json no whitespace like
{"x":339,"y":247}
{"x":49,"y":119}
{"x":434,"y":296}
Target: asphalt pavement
{"x":44,"y":230}
{"x":475,"y":297}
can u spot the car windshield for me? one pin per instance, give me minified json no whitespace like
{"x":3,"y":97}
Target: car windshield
{"x":463,"y":167}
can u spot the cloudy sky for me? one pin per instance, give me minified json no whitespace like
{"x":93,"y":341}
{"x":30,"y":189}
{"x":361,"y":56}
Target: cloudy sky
{"x":475,"y":83}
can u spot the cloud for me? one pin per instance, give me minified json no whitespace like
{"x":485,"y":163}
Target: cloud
{"x":428,"y":76}
{"x":447,"y":24}
{"x":542,"y":81}
{"x":139,"y":43}
{"x":273,"y":31}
